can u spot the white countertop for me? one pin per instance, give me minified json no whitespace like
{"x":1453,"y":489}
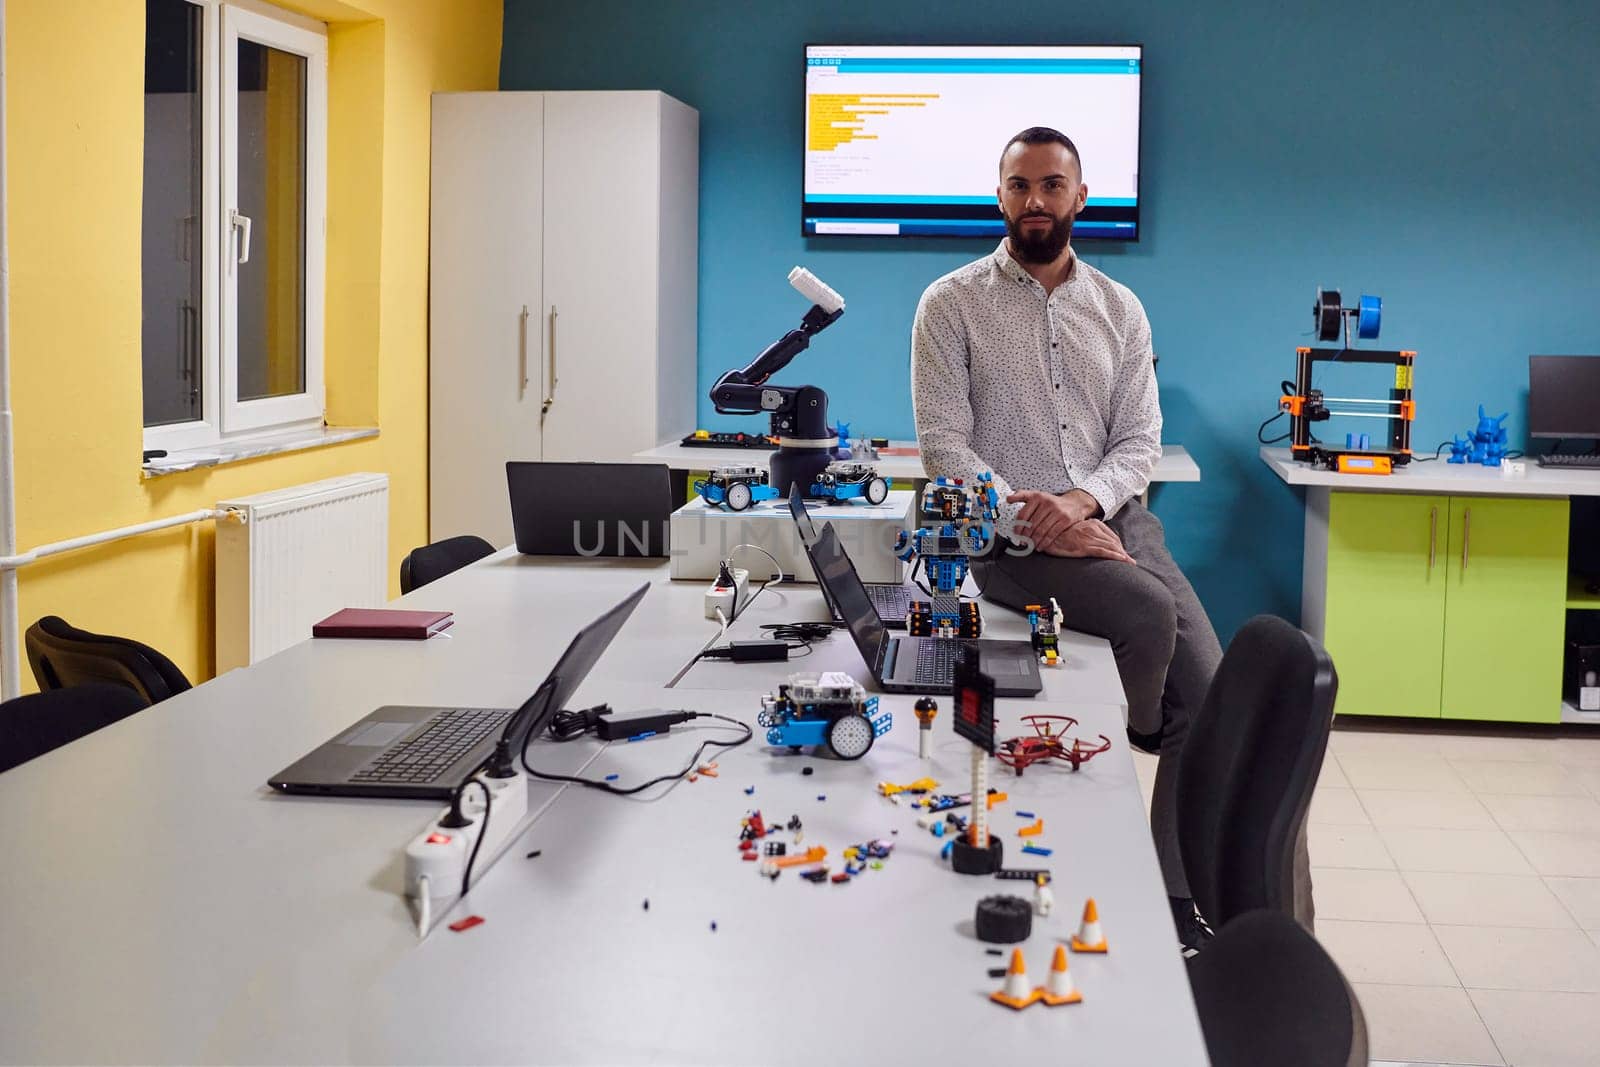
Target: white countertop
{"x":1437,"y":476}
{"x":1175,"y":464}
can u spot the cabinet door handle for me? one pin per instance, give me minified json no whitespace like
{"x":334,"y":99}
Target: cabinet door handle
{"x":522,"y":350}
{"x":550,"y":396}
{"x":1433,"y":535}
{"x":1466,"y":539}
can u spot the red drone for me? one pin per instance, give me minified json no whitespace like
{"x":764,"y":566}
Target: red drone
{"x":1049,"y":742}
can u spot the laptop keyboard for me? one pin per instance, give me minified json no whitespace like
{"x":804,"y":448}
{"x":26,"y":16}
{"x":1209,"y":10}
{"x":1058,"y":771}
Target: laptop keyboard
{"x":422,"y":759}
{"x":936,"y":661}
{"x":892,"y":601}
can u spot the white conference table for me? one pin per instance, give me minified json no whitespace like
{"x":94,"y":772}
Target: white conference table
{"x":164,"y":906}
{"x":1175,"y":464}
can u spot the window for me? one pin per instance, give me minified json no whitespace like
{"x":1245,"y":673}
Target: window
{"x":235,"y":183}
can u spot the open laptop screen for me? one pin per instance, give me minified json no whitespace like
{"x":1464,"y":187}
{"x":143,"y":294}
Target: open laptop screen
{"x":569,"y":672}
{"x":838,"y":576}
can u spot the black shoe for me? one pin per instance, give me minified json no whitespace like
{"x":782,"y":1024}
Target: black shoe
{"x":1194,"y":933}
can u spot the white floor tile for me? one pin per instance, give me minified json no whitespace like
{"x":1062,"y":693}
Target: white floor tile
{"x":1395,"y":741}
{"x":1497,"y":957}
{"x":1337,"y":807}
{"x":1574,"y":814}
{"x":1386,"y":953}
{"x":1332,"y":777}
{"x":1487,"y":899}
{"x":1454,"y":851}
{"x":1586,"y":774}
{"x":1434,"y":811}
{"x":1347,"y":846}
{"x":1400,"y":770}
{"x":1498,"y":746}
{"x":1365,"y":896}
{"x":1560,"y":855}
{"x":1579,"y":750}
{"x":1546,"y":778}
{"x":1432,"y":1023}
{"x":1581,"y":897}
{"x":1541,"y":1029}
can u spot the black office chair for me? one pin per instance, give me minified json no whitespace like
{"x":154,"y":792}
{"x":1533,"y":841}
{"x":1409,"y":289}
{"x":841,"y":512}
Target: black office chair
{"x":432,"y":562}
{"x":35,"y":724}
{"x":1249,"y":765}
{"x":1267,"y":993}
{"x":64,"y":656}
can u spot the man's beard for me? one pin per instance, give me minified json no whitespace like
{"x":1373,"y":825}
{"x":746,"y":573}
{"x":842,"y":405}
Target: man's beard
{"x":1036,"y":246}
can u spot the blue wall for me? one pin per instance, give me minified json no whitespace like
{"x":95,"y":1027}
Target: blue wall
{"x":1442,"y":155}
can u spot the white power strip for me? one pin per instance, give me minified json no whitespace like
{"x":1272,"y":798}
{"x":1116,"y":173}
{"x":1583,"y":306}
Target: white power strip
{"x":729,"y":599}
{"x":437,"y":857}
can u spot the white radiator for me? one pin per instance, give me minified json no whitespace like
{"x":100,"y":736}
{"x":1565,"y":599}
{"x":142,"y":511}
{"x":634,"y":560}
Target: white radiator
{"x":301,"y":554}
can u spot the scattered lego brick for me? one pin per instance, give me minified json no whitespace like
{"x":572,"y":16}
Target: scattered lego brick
{"x":612,"y":777}
{"x":535,"y":854}
{"x":805,"y":770}
{"x":1025,"y":814}
{"x":749,"y":790}
{"x":1035,"y":850}
{"x":462,"y":925}
{"x":776,"y":848}
{"x":841,"y":877}
{"x":750,"y":856}
{"x":1033,"y":829}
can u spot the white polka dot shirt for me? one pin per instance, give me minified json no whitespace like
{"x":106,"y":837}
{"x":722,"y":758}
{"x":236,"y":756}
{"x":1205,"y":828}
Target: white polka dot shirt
{"x":1049,"y":392}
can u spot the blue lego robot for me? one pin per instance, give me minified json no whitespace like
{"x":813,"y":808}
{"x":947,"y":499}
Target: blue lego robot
{"x":736,"y":488}
{"x":1485,"y":445}
{"x":959,"y":523}
{"x":840,"y":482}
{"x":830,"y":709}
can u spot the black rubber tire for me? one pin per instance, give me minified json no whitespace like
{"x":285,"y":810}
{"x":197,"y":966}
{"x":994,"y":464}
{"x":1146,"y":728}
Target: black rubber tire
{"x":877,"y":491}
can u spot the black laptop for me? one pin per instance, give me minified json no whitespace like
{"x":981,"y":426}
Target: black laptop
{"x":914,"y":664}
{"x":892,"y":599}
{"x":590,"y":509}
{"x":425,"y":753}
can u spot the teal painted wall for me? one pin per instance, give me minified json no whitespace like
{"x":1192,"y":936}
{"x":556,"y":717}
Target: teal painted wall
{"x":1444,"y":156}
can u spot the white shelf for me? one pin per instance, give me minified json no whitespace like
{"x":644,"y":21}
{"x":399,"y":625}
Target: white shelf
{"x":1439,"y":477}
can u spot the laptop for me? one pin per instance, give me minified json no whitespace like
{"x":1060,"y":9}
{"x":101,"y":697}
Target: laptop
{"x":590,"y":509}
{"x":892,"y":599}
{"x":914,"y":664}
{"x":425,"y":753}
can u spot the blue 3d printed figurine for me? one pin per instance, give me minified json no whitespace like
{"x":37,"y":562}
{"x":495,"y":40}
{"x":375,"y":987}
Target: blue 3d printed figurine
{"x":959,"y":523}
{"x":1486,"y":444}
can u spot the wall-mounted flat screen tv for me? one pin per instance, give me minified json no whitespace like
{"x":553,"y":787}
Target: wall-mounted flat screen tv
{"x":905,"y":140}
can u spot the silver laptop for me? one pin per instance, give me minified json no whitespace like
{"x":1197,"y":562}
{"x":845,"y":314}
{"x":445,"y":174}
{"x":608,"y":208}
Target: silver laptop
{"x":892,"y":599}
{"x":425,"y":753}
{"x":913,"y":664}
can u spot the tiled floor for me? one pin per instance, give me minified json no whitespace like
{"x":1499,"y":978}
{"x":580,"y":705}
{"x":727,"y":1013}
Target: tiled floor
{"x":1458,"y":886}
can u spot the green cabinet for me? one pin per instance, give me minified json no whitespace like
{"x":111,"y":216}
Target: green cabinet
{"x":1446,"y":606}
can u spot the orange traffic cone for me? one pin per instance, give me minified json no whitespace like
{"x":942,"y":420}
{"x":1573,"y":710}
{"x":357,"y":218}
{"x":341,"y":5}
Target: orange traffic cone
{"x":1089,"y":938}
{"x":1015,"y":993}
{"x":1058,"y":989}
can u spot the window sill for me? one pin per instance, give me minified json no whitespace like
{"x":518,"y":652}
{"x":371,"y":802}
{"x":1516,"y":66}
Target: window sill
{"x":236,"y":451}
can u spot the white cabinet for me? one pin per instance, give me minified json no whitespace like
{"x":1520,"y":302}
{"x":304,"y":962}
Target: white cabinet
{"x":563,"y":264}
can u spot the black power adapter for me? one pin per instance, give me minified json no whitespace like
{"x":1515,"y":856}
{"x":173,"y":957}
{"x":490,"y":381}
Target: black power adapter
{"x":749,"y":651}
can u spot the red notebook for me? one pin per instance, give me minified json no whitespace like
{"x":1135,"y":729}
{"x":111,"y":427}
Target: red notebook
{"x":382,"y":622}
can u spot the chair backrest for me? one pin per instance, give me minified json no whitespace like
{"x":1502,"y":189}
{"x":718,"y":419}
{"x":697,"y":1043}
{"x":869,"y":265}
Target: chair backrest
{"x":1268,"y":993}
{"x":35,"y":724}
{"x":432,"y":562}
{"x":1249,"y":766}
{"x":63,"y":656}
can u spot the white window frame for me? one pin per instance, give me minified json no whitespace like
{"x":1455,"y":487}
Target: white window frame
{"x":223,"y":415}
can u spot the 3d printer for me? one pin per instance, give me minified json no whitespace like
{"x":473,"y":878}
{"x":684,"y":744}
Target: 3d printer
{"x":1307,"y":404}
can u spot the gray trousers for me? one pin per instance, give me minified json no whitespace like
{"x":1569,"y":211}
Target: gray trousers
{"x":1165,"y":648}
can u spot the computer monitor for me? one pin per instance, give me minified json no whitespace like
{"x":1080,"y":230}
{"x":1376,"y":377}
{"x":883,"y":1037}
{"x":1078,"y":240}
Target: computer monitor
{"x":1564,"y":397}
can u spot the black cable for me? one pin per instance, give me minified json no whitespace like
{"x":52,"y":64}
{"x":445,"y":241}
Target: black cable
{"x":1262,"y":429}
{"x":567,"y":725}
{"x":488,"y":802}
{"x":1436,"y":454}
{"x":694,"y":761}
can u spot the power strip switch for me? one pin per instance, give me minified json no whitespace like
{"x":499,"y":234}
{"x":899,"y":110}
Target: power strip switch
{"x":728,"y":596}
{"x":437,"y":857}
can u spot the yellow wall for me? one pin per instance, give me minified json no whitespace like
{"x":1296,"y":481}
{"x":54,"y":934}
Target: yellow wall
{"x":75,"y":92}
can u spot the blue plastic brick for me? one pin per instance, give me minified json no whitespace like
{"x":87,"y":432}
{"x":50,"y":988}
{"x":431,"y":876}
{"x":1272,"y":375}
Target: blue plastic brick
{"x":1035,"y":850}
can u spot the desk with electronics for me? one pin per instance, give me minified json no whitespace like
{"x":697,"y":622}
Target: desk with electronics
{"x":1458,"y":588}
{"x":171,"y":907}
